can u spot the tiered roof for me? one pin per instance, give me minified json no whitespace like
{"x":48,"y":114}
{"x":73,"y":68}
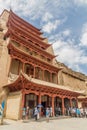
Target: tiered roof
{"x":21,"y":55}
{"x":27,"y":30}
{"x":28,"y":36}
{"x":28,"y":84}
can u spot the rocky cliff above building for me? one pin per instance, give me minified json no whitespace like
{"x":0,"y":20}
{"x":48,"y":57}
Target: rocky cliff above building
{"x":72,"y":79}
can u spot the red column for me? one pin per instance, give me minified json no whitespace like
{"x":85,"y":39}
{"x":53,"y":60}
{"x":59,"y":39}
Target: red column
{"x":50,"y":77}
{"x":34,"y":72}
{"x":77,"y":102}
{"x":39,"y":98}
{"x":23,"y":67}
{"x":57,"y":77}
{"x":63,"y":106}
{"x":23,"y":99}
{"x":22,"y":104}
{"x":19,"y":68}
{"x":43,"y":74}
{"x":53,"y":105}
{"x":39,"y":101}
{"x":70,"y":102}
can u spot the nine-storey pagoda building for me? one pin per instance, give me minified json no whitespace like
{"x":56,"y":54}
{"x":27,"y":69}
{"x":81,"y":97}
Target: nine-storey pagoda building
{"x":31,"y":75}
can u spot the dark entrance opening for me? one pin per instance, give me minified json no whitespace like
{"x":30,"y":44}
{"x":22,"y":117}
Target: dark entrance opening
{"x":43,"y":104}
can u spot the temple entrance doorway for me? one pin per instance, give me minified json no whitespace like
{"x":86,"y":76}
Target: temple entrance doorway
{"x":74,"y":103}
{"x":67,"y":106}
{"x":31,"y":100}
{"x":84,"y":104}
{"x":46,"y":101}
{"x":58,"y":106}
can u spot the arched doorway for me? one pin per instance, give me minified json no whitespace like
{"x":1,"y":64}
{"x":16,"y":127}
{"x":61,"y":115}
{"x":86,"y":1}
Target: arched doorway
{"x":29,"y":69}
{"x":46,"y":101}
{"x":16,"y":66}
{"x":31,"y":100}
{"x":66,"y":102}
{"x":58,"y":106}
{"x":38,"y":73}
{"x":47,"y":75}
{"x":74,"y":103}
{"x":66,"y":105}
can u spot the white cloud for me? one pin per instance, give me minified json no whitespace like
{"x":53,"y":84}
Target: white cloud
{"x":4,"y":4}
{"x":47,"y":16}
{"x":61,"y":35}
{"x":83,"y":39}
{"x":66,"y":32}
{"x":80,"y":2}
{"x":33,"y":9}
{"x":69,"y":54}
{"x":51,"y":26}
{"x":58,"y":44}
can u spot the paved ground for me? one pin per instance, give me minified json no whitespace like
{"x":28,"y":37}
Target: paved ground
{"x":60,"y":124}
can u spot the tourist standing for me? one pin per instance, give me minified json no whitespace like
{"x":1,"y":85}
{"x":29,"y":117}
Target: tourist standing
{"x":47,"y":114}
{"x":23,"y":113}
{"x":82,"y":112}
{"x":36,"y":113}
{"x":27,"y":112}
{"x":59,"y":110}
{"x":51,"y":111}
{"x":85,"y":112}
{"x":78,"y":113}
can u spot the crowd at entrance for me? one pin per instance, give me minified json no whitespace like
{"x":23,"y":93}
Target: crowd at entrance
{"x":48,"y":112}
{"x":37,"y":112}
{"x":47,"y":106}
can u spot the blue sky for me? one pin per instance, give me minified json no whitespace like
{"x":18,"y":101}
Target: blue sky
{"x":64,"y":23}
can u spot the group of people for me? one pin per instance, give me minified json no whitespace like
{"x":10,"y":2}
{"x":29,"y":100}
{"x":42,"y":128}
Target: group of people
{"x":25,"y":113}
{"x":58,"y":111}
{"x":48,"y":112}
{"x":76,"y":112}
{"x":36,"y":112}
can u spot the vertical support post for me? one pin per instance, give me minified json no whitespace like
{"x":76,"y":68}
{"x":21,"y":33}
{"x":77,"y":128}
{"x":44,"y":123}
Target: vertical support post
{"x":76,"y":102}
{"x":57,"y":78}
{"x":43,"y":74}
{"x":23,"y":99}
{"x":34,"y":72}
{"x":39,"y":101}
{"x":63,"y":106}
{"x":39,"y":98}
{"x":22,"y":104}
{"x":51,"y":77}
{"x":53,"y":104}
{"x":70,"y":102}
{"x":23,"y":67}
{"x":47,"y":100}
{"x":19,"y":68}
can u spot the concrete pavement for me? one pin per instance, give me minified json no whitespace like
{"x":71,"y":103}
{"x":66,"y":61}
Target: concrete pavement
{"x":62,"y":124}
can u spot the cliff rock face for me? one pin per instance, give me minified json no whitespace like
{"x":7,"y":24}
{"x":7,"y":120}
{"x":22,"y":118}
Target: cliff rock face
{"x":4,"y":57}
{"x":72,"y":79}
